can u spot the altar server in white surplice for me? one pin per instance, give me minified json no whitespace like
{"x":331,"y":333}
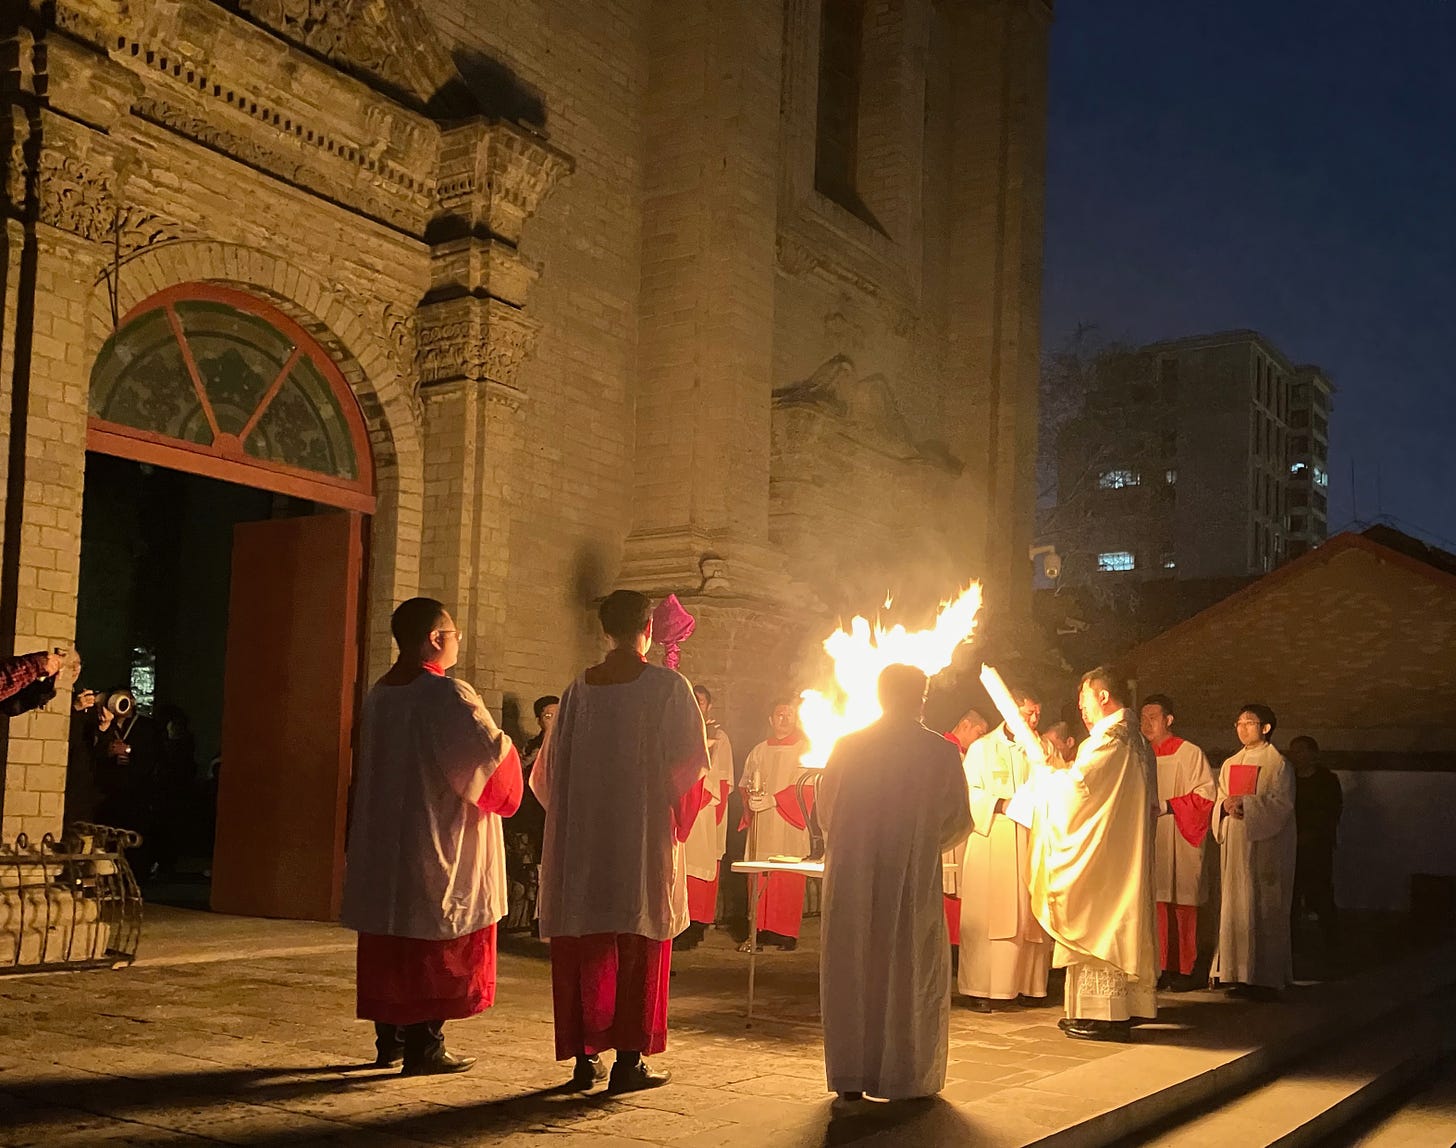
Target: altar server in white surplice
{"x":892,"y":797}
{"x":1004,"y":952}
{"x":1253,"y":823}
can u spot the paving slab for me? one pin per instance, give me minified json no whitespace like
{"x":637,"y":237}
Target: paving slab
{"x":240,"y":1031}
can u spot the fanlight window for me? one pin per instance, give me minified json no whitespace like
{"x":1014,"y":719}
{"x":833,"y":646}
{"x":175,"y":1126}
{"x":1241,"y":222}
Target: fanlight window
{"x":214,"y":381}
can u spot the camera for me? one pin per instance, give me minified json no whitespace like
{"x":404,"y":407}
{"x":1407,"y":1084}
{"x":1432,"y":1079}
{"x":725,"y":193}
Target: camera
{"x":120,"y":702}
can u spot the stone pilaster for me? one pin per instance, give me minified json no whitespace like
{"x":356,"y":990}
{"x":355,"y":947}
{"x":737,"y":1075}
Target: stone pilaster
{"x":997,"y":172}
{"x":706,"y":336}
{"x":473,"y":335}
{"x":61,"y":218}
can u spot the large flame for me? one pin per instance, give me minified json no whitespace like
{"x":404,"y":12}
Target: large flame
{"x":860,"y":655}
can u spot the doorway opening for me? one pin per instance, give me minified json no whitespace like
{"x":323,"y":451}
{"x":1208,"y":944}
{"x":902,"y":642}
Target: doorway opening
{"x":228,"y":482}
{"x":152,"y":620}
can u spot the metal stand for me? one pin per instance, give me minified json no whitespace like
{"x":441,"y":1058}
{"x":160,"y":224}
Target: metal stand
{"x":69,"y":904}
{"x":755,"y":888}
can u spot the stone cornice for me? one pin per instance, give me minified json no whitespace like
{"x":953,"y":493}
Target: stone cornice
{"x":204,"y":73}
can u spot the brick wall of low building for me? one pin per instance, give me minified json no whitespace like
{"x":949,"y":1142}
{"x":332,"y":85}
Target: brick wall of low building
{"x":1351,"y":644}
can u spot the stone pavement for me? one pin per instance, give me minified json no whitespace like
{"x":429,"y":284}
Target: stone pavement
{"x":242,"y":1032}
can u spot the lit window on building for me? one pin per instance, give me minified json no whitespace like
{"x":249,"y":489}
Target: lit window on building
{"x":1169,"y":562}
{"x":1298,"y":468}
{"x":143,"y":677}
{"x":1170,"y":476}
{"x":1112,"y":561}
{"x":1321,"y":477}
{"x":1117,"y":479}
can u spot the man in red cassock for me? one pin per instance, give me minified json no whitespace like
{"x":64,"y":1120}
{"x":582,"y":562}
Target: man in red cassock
{"x":621,"y":779}
{"x":1185,"y":802}
{"x":425,"y":876}
{"x":776,"y":824}
{"x":970,"y":729}
{"x":709,"y":838}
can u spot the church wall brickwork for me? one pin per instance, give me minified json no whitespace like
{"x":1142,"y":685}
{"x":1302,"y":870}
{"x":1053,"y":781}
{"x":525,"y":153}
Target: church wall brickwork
{"x":685,"y":368}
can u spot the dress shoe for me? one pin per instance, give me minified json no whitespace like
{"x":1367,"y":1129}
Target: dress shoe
{"x":788,"y":944}
{"x":1187,"y":983}
{"x":1119,"y":1031}
{"x":1031,"y":1002}
{"x":635,"y":1077}
{"x":1165,"y":981}
{"x":590,"y":1071}
{"x":389,"y":1060}
{"x":978,"y":1004}
{"x":851,"y":1097}
{"x":441,"y":1063}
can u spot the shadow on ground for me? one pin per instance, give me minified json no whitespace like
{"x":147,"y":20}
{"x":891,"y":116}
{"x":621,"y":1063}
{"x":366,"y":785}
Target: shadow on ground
{"x":143,"y":1098}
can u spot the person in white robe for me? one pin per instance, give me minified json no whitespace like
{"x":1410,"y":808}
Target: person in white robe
{"x":621,"y":779}
{"x":776,"y":824}
{"x":1185,"y":800}
{"x":892,"y":797}
{"x":425,"y":870}
{"x":709,"y":838}
{"x":1092,"y":867}
{"x":1005,"y":955}
{"x":1253,"y":823}
{"x":966,"y":732}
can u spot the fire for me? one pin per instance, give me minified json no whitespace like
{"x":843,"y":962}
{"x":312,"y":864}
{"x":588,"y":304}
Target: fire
{"x":860,"y":655}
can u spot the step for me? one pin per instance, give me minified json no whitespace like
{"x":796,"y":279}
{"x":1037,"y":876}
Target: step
{"x":1426,"y":1119}
{"x":1165,"y":1079}
{"x":1325,"y":1091}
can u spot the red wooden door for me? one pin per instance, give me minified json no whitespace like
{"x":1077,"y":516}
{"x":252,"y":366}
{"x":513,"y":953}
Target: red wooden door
{"x":288,"y":711}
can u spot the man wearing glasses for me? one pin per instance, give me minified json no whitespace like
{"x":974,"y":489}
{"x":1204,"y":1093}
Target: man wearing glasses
{"x":1253,"y":823}
{"x":425,"y":881}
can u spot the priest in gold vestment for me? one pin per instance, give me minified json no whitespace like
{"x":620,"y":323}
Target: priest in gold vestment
{"x":1091,"y":878}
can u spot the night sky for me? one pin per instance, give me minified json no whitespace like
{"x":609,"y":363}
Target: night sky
{"x":1287,"y":166}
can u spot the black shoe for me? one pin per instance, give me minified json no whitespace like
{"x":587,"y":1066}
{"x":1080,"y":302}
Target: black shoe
{"x":441,"y":1063}
{"x":590,"y":1071}
{"x":1031,"y":1002}
{"x":1165,"y":981}
{"x":978,"y":1004}
{"x":1187,"y":983}
{"x":788,"y":944}
{"x":851,"y":1097}
{"x":1261,"y":994}
{"x":635,"y":1077}
{"x":389,"y":1060}
{"x":1119,"y":1031}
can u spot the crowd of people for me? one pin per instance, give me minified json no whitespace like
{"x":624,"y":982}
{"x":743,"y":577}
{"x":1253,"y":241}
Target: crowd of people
{"x":984,"y":857}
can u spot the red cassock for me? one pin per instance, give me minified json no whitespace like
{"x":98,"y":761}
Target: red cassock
{"x":406,"y":980}
{"x":703,"y":894}
{"x":782,"y":830}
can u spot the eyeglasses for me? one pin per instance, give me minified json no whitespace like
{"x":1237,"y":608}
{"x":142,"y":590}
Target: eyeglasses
{"x":443,"y":632}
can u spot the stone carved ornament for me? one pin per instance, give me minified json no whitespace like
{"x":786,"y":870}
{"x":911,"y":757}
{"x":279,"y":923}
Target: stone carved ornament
{"x":867,"y":403}
{"x":381,"y":40}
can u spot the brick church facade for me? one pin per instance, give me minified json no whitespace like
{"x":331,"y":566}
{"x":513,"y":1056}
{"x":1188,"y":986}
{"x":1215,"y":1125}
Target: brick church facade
{"x":733,"y":300}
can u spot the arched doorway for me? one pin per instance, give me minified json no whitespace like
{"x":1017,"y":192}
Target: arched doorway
{"x":219,"y":415}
